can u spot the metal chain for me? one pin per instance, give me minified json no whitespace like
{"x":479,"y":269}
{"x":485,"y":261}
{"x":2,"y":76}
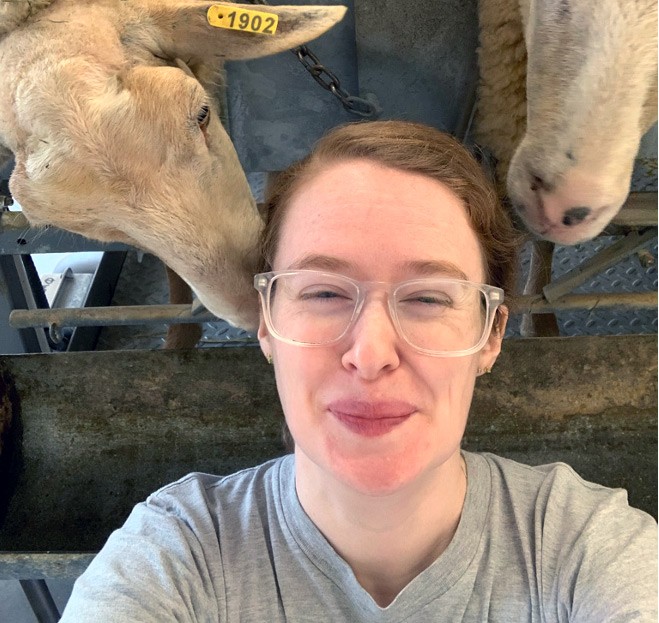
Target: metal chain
{"x":327,"y":79}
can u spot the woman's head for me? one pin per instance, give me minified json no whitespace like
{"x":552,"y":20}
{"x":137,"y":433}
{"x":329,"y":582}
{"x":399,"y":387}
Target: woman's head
{"x":415,"y":148}
{"x":375,"y":239}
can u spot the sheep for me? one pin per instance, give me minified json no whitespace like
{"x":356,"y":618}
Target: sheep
{"x":567,"y":89}
{"x":108,"y":109}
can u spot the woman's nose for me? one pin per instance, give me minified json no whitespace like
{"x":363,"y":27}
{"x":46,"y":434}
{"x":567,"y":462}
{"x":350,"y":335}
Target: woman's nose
{"x":373,"y":342}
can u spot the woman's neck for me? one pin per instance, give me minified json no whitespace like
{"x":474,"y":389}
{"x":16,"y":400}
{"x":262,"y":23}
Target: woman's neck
{"x":386,"y":539}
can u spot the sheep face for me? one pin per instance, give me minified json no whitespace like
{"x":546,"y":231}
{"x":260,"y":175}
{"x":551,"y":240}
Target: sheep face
{"x":108,"y":110}
{"x":591,"y":94}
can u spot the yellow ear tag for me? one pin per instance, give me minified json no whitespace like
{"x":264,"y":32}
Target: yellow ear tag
{"x":222,"y":16}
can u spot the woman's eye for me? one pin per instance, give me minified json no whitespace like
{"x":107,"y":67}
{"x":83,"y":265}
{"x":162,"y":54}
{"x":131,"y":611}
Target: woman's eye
{"x":434,"y":298}
{"x":310,"y":295}
{"x":203,"y":117}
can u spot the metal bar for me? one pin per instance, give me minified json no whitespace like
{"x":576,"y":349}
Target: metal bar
{"x":596,"y":264}
{"x":100,"y":293}
{"x":17,"y":285}
{"x":41,"y":601}
{"x":181,"y":314}
{"x":107,"y":316}
{"x":11,"y":339}
{"x":536,"y":304}
{"x":33,"y":293}
{"x":539,"y":325}
{"x":639,"y":210}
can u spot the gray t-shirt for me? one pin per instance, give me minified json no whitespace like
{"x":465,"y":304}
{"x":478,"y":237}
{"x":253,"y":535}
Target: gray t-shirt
{"x":533,"y":544}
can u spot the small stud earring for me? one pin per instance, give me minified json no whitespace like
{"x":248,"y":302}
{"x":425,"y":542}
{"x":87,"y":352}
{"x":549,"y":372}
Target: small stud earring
{"x":268,"y":358}
{"x":484,"y":371}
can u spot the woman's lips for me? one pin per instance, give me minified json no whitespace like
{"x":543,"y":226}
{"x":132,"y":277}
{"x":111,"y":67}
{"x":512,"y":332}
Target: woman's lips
{"x":371,"y":419}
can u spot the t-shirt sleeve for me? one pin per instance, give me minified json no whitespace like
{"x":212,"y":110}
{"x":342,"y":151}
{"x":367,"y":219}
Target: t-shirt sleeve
{"x":604,"y":555}
{"x":154,"y":569}
{"x":615,"y":569}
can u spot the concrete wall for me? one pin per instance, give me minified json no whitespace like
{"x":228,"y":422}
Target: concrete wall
{"x":96,"y":432}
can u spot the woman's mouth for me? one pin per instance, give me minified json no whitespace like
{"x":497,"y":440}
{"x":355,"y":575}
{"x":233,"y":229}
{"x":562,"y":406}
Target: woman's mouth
{"x":371,"y":419}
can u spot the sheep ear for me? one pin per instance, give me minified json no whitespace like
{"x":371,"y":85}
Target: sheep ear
{"x":186,"y":33}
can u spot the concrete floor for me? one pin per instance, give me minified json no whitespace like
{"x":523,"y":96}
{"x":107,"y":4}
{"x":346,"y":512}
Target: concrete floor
{"x":14,"y":607}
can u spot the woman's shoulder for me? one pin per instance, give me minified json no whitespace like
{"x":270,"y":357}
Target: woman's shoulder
{"x":525,"y":476}
{"x":553,"y":495}
{"x":546,"y":481}
{"x":199,"y":491}
{"x":589,"y":551}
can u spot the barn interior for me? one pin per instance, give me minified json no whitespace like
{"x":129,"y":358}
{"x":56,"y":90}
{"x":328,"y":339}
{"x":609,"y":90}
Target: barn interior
{"x":85,"y":379}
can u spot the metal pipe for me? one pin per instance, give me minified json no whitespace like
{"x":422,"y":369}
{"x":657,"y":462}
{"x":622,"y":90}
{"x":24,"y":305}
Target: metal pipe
{"x":41,"y":601}
{"x":181,"y":314}
{"x":640,"y":210}
{"x":619,"y":250}
{"x":107,"y":316}
{"x":537,"y":304}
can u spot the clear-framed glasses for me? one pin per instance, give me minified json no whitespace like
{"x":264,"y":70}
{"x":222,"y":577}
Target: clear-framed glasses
{"x":441,"y":317}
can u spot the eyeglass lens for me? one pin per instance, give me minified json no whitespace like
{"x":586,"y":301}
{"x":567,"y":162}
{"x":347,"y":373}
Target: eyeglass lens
{"x":435,"y":315}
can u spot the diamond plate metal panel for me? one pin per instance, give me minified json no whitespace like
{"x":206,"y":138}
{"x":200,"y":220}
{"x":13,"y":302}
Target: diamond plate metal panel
{"x":637,"y":273}
{"x":143,"y":282}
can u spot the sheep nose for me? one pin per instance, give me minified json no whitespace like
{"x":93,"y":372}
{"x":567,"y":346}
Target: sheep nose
{"x":574,"y":216}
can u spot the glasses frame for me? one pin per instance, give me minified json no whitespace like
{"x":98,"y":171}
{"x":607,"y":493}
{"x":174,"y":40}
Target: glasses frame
{"x":493,"y":295}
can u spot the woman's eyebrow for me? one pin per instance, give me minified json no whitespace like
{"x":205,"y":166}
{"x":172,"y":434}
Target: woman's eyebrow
{"x":430,"y":268}
{"x":421,"y":268}
{"x":320,"y":262}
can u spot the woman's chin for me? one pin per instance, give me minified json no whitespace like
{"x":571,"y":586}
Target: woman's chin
{"x":377,"y":473}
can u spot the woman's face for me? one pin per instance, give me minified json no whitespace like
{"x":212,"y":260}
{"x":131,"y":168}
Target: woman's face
{"x":370,"y":411}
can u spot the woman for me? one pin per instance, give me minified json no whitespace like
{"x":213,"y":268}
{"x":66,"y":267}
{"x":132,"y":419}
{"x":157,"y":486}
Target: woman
{"x":386,"y":259}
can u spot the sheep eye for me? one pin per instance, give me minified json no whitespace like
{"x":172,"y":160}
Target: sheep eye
{"x":203,"y":117}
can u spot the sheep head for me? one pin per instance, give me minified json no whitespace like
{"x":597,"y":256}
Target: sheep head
{"x":591,"y":95}
{"x":108,"y":110}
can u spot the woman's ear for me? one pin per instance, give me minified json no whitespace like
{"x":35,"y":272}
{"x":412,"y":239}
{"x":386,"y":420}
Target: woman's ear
{"x":264,"y":339}
{"x":489,"y":353}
